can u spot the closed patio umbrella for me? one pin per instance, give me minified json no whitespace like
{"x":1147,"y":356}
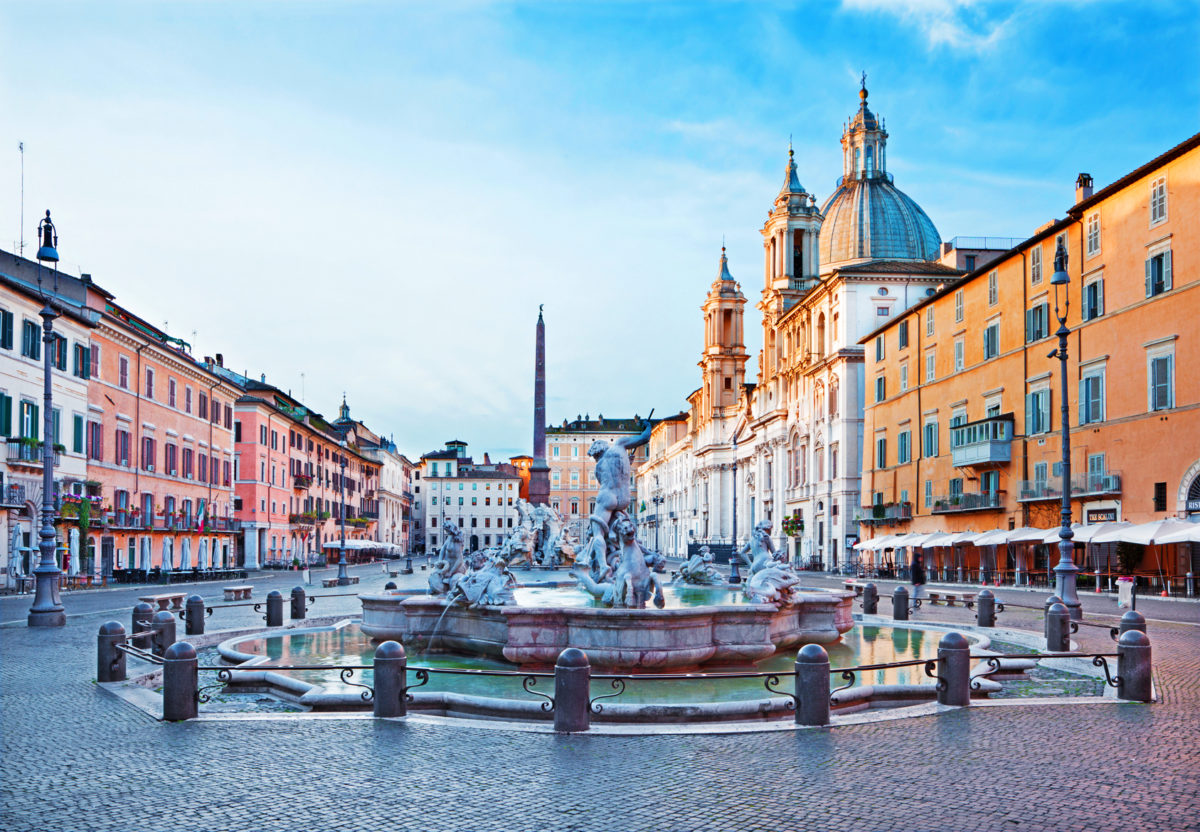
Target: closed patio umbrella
{"x":185,"y":556}
{"x":144,"y":559}
{"x":73,"y":548}
{"x":168,"y":561}
{"x":202,"y":553}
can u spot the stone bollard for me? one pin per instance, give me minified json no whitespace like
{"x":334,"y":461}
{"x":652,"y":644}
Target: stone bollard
{"x":812,"y":686}
{"x":572,"y":686}
{"x":299,"y":603}
{"x":163,"y":629}
{"x":143,"y":614}
{"x":1050,"y":602}
{"x":110,"y":662}
{"x":194,"y":616}
{"x":954,"y":669}
{"x":1058,"y":629}
{"x":181,"y":680}
{"x":1132,"y":620}
{"x":899,"y":604}
{"x":274,"y":608}
{"x":985,"y":604}
{"x":1133,"y":667}
{"x":391,"y":666}
{"x":390,"y":585}
{"x":870,"y":599}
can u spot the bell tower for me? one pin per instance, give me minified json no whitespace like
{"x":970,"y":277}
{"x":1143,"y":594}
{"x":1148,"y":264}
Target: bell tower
{"x":723,"y":363}
{"x":790,"y":244}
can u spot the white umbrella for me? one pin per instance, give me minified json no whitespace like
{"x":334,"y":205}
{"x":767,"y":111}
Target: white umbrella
{"x":168,"y":562}
{"x":1051,"y":535}
{"x":73,"y":544}
{"x":185,"y":557}
{"x":874,"y":544}
{"x":144,"y":562}
{"x":1087,"y":534}
{"x":937,"y":539}
{"x":202,"y":554}
{"x":1147,"y":534}
{"x":1188,"y":535}
{"x":995,"y":537}
{"x":1026,"y":535}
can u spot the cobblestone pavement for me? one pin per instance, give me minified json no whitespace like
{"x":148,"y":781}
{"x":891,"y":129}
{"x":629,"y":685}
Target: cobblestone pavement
{"x":77,"y":758}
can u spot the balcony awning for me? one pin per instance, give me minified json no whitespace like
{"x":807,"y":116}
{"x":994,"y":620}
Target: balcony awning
{"x":1147,"y":534}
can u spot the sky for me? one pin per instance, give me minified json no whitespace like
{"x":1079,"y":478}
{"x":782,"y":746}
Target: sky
{"x":372,"y":199}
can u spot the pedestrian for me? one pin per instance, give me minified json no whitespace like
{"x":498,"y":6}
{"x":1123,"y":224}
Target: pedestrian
{"x":918,"y":576}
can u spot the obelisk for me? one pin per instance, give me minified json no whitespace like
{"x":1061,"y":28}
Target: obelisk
{"x":539,"y":472}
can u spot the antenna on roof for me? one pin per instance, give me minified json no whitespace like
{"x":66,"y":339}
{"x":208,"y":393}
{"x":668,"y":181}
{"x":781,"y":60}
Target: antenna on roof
{"x":21,"y":148}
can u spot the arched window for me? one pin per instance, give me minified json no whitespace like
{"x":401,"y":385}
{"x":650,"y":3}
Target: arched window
{"x":820,"y":345}
{"x":870,"y":159}
{"x":857,"y":160}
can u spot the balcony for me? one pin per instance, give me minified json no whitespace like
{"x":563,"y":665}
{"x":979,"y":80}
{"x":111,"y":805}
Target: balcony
{"x":954,"y":503}
{"x":369,"y":515}
{"x":406,"y":495}
{"x":1083,"y":485}
{"x":301,"y":481}
{"x":23,"y":454}
{"x":12,"y":495}
{"x":985,"y":442}
{"x":883,"y":515}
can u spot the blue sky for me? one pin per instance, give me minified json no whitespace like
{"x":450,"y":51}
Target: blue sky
{"x":378,"y":195}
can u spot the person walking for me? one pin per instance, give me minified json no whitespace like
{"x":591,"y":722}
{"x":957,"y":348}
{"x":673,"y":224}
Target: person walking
{"x":917,"y":573}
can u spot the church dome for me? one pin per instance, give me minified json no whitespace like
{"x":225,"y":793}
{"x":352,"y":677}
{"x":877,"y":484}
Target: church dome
{"x":871,"y":219}
{"x":867,"y":217}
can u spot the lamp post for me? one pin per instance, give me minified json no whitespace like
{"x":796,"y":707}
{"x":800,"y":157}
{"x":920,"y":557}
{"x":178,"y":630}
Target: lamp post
{"x":658,"y":500}
{"x":1064,"y":572}
{"x":343,"y":579}
{"x":47,"y":609}
{"x":735,"y":577}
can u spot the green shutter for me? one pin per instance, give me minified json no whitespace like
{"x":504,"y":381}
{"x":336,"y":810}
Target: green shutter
{"x":77,"y":434}
{"x":5,"y":415}
{"x":6,"y":329}
{"x":36,"y":429}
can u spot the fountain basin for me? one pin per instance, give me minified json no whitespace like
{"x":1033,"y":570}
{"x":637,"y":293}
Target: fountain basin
{"x":733,"y":635}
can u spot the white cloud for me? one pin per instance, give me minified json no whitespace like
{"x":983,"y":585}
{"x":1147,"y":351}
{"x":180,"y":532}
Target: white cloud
{"x":958,"y":24}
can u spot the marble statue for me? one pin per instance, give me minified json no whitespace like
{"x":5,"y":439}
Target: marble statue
{"x":773,"y":584}
{"x":632,"y":584}
{"x":759,"y":552}
{"x":700,"y":570}
{"x":450,"y":566}
{"x":490,"y":584}
{"x":612,"y":472}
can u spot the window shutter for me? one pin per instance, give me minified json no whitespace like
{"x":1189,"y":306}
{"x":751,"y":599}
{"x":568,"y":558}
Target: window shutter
{"x":36,"y":411}
{"x":1028,"y":325}
{"x":1099,"y":297}
{"x":1085,"y":397}
{"x":1166,"y":268}
{"x":1029,"y":424}
{"x":6,"y":329}
{"x":5,"y":415}
{"x":1149,"y":272}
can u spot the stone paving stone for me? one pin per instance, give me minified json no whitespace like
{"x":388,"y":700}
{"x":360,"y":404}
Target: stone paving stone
{"x":76,"y":758}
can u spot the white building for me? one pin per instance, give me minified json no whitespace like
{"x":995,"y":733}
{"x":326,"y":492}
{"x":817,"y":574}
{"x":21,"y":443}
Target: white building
{"x":481,"y":498}
{"x":21,"y":400}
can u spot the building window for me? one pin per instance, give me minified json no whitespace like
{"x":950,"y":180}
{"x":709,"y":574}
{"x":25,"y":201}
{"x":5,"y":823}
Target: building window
{"x":1158,"y":201}
{"x":989,"y":482}
{"x":970,"y":262}
{"x":991,"y":340}
{"x":1160,"y":496}
{"x":1091,"y":397}
{"x":880,"y":388}
{"x":1161,"y":378}
{"x":928,"y":493}
{"x":881,"y":452}
{"x":6,"y":329}
{"x":149,"y":383}
{"x":1035,"y":265}
{"x":123,"y":373}
{"x":878,"y":347}
{"x":931,"y":439}
{"x":1037,"y":322}
{"x":554,"y":452}
{"x":122,"y":442}
{"x":929,"y":366}
{"x":187,"y":400}
{"x":956,"y":490}
{"x":77,"y":433}
{"x":959,"y":355}
{"x":904,"y":447}
{"x":903,"y":334}
{"x":94,"y":359}
{"x":1037,"y":412}
{"x":929,"y":321}
{"x":958,"y":306}
{"x":31,"y":342}
{"x":1158,"y":273}
{"x":1093,"y":300}
{"x":993,"y":288}
{"x":83,"y":363}
{"x":1093,"y":234}
{"x":903,"y":377}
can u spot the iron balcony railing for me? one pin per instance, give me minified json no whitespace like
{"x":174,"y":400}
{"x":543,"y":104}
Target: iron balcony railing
{"x":984,"y":442}
{"x":23,"y":454}
{"x":1082,"y":485}
{"x":883,"y":515}
{"x":985,"y":501}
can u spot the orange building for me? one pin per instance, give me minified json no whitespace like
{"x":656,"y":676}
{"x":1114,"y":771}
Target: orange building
{"x":963,"y":421}
{"x":160,"y":446}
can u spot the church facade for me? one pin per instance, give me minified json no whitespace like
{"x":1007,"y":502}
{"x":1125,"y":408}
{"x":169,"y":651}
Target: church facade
{"x":789,"y":443}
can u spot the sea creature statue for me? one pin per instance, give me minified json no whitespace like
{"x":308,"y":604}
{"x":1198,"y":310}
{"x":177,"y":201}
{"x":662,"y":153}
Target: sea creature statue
{"x":700,"y":570}
{"x":548,"y":523}
{"x":632,"y":584}
{"x":450,"y":566}
{"x":561,"y":550}
{"x":518,"y":546}
{"x":773,"y":584}
{"x":489,"y":585}
{"x":759,"y":552}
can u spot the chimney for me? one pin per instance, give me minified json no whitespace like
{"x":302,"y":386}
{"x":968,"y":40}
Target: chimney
{"x":220,"y":360}
{"x":1083,"y":187}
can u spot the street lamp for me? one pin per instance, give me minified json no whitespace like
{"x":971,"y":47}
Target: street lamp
{"x":47,"y":609}
{"x":735,"y":577}
{"x":343,"y":579}
{"x":658,"y":500}
{"x":1064,"y":572}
